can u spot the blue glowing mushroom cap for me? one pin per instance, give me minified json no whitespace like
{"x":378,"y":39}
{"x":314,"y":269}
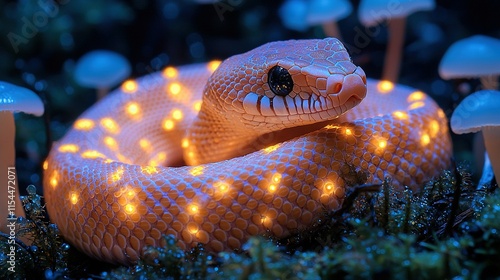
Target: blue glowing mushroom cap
{"x":373,"y":12}
{"x":471,"y":57}
{"x":101,"y":69}
{"x":476,"y":111}
{"x":321,"y":11}
{"x":18,"y":99}
{"x":293,"y":15}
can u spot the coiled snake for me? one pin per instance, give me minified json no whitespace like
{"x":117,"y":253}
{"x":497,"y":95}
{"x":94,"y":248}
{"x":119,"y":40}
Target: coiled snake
{"x":265,"y":150}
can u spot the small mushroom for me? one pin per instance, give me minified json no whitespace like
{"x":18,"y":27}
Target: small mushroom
{"x":327,"y":13}
{"x":12,"y":99}
{"x":372,"y":12}
{"x":102,"y":70}
{"x":474,"y":57}
{"x":480,"y":112}
{"x":477,"y":56}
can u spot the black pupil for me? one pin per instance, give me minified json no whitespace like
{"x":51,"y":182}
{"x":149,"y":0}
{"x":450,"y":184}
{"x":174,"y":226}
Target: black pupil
{"x":280,"y":81}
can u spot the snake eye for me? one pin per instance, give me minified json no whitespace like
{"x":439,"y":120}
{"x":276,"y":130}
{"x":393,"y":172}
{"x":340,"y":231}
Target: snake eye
{"x":280,"y":81}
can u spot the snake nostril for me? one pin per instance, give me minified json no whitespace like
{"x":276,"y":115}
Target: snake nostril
{"x":337,"y":88}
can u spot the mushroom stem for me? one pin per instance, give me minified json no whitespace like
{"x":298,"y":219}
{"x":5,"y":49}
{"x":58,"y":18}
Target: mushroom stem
{"x":486,"y":173}
{"x":331,"y":29}
{"x":489,"y":82}
{"x":492,"y":143}
{"x":7,"y":162}
{"x":394,"y":49}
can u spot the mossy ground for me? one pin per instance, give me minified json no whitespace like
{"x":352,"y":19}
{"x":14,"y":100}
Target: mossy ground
{"x":450,"y":229}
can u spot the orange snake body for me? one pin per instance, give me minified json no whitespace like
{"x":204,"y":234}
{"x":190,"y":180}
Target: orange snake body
{"x":108,"y":188}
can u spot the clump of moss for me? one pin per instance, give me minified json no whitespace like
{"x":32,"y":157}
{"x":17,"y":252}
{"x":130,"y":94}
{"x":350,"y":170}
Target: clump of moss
{"x":46,"y":253}
{"x":167,"y":262}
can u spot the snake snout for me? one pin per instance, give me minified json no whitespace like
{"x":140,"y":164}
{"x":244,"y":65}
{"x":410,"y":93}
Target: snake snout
{"x":341,"y":88}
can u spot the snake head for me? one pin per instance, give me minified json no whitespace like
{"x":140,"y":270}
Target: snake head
{"x":287,"y":84}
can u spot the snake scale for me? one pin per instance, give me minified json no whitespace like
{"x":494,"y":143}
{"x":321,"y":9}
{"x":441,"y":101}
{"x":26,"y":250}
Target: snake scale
{"x":259,"y":145}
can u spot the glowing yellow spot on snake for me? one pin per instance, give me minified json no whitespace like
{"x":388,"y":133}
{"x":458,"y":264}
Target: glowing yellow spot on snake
{"x":271,"y":148}
{"x":68,"y":148}
{"x":133,"y":109}
{"x":145,"y":145}
{"x":129,"y":208}
{"x":213,"y":65}
{"x":110,"y":125}
{"x":415,"y":96}
{"x":192,"y":228}
{"x":400,"y":115}
{"x":193,"y":209}
{"x":196,"y":171}
{"x":276,"y":178}
{"x":385,"y":86}
{"x":441,"y":114}
{"x":272,"y":188}
{"x":45,"y":165}
{"x":331,"y":126}
{"x":170,"y":72}
{"x":111,"y":143}
{"x":54,"y":179}
{"x":434,"y":128}
{"x":221,"y":186}
{"x":168,"y":124}
{"x":84,"y":124}
{"x":129,"y":86}
{"x":425,"y":139}
{"x":149,"y":170}
{"x":328,"y":187}
{"x":185,"y":143}
{"x":381,"y":143}
{"x":266,"y":221}
{"x":197,"y":106}
{"x":348,"y":131}
{"x":174,"y":88}
{"x":73,"y":198}
{"x":92,"y":154}
{"x":131,"y":193}
{"x":416,"y":105}
{"x":117,"y":175}
{"x":177,"y":114}
{"x":158,"y":159}
{"x":53,"y":182}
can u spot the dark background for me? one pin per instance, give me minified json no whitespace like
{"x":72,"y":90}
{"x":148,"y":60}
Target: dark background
{"x":154,"y":34}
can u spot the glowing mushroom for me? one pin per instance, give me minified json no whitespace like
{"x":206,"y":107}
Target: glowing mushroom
{"x":473,"y":57}
{"x":102,"y":70}
{"x":372,"y":12}
{"x":327,"y":13}
{"x":293,"y":14}
{"x":298,"y":15}
{"x":480,"y":112}
{"x":12,"y":99}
